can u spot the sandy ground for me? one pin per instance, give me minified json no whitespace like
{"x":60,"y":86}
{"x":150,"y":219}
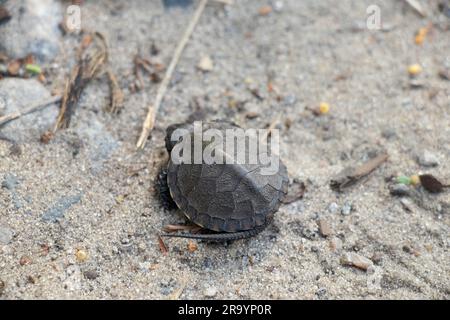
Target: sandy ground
{"x":88,"y":191}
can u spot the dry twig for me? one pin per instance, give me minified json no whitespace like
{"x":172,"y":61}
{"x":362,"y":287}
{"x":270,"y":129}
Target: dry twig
{"x":351,"y":175}
{"x":33,"y":108}
{"x":153,"y":108}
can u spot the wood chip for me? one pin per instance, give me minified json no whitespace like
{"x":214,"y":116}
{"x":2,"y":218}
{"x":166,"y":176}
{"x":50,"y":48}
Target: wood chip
{"x":351,"y":175}
{"x":324,"y":228}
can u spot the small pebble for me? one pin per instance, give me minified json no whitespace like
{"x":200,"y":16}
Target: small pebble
{"x":24,"y":260}
{"x":407,"y":204}
{"x":356,"y":260}
{"x":347,"y":208}
{"x":324,"y":228}
{"x":335,"y":244}
{"x":205,"y":64}
{"x":290,"y":99}
{"x":278,"y":5}
{"x":377,"y":257}
{"x":321,"y":292}
{"x":210,"y":292}
{"x":91,"y":274}
{"x":6,"y":235}
{"x":333,"y":207}
{"x":265,"y":10}
{"x":399,"y":189}
{"x":428,"y":159}
{"x":10,"y":181}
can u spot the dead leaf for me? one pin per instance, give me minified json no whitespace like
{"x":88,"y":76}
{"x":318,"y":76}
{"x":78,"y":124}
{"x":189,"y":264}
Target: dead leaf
{"x":431,"y":184}
{"x":296,"y":191}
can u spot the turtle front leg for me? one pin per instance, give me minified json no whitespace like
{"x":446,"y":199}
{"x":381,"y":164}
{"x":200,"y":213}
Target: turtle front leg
{"x":164,"y":192}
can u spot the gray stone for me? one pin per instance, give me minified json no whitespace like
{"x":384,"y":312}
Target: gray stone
{"x":91,"y":274}
{"x":210,"y":292}
{"x":428,"y":159}
{"x":333,"y":207}
{"x":10,"y":182}
{"x":99,"y":142}
{"x":399,"y":189}
{"x":58,"y":210}
{"x":32,"y":29}
{"x":6,"y":235}
{"x":290,"y":99}
{"x":17,"y":95}
{"x":346,"y":208}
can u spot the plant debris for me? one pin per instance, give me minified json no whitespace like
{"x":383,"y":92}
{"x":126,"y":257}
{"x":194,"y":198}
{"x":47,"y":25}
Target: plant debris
{"x":431,"y":184}
{"x":162,"y":246}
{"x":33,"y":108}
{"x":4,"y":15}
{"x":351,"y":175}
{"x":153,"y":108}
{"x":296,"y":191}
{"x":116,"y":94}
{"x":89,"y":65}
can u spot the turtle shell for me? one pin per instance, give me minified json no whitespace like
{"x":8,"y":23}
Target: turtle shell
{"x":227,"y":197}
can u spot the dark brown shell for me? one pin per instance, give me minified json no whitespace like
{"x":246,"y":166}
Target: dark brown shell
{"x":227,"y":197}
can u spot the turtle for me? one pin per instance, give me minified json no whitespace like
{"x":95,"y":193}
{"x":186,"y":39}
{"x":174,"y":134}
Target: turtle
{"x":230,"y":200}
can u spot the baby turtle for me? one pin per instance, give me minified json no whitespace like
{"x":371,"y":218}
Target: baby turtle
{"x":234,"y":201}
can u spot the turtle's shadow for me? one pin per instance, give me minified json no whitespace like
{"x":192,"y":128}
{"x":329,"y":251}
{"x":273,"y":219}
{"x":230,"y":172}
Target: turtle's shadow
{"x":237,"y":255}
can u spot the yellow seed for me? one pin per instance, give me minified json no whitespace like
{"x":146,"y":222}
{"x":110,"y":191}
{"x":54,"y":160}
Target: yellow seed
{"x":414,"y":69}
{"x":81,"y":255}
{"x":324,"y":108}
{"x":415,"y":180}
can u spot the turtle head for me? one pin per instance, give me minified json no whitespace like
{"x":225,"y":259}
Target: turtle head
{"x":170,"y":139}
